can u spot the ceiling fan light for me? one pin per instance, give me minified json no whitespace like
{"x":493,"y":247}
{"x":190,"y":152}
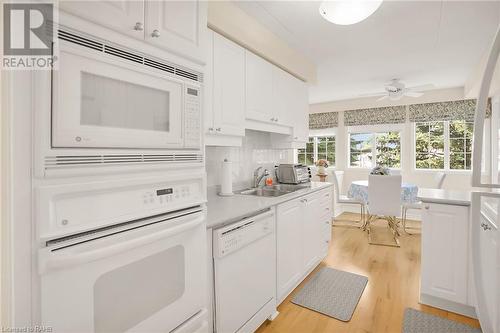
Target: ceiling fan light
{"x":345,"y":12}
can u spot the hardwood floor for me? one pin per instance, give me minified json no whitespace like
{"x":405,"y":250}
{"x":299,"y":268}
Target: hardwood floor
{"x":394,"y":278}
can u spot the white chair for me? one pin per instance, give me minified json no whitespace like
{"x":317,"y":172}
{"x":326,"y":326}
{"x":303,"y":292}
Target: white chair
{"x":384,"y":201}
{"x":438,"y":181}
{"x":342,"y":199}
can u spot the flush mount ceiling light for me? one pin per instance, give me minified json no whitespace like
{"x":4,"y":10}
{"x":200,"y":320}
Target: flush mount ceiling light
{"x":345,"y":12}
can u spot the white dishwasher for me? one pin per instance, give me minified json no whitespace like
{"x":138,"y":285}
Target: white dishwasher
{"x":245,"y":273}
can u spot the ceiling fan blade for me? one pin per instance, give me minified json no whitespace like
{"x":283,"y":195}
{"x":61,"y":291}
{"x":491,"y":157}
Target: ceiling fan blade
{"x":382,"y":98}
{"x":373,"y":94}
{"x":413,"y":93}
{"x":421,"y":87}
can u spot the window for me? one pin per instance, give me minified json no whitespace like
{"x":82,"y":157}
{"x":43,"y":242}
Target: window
{"x":443,"y":145}
{"x":384,"y":146}
{"x":318,"y":147}
{"x":429,"y":145}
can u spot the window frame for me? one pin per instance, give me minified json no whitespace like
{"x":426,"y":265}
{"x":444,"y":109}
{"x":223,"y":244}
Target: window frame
{"x":374,"y":130}
{"x":446,"y":139}
{"x":315,"y":137}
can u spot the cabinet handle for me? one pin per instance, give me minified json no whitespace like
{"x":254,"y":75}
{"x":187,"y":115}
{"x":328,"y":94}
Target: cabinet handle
{"x":426,"y":207}
{"x":218,"y":129}
{"x":326,"y":222}
{"x":155,"y":33}
{"x":485,"y":226}
{"x":272,"y":119}
{"x":139,"y":26}
{"x":276,"y":120}
{"x":295,"y":137}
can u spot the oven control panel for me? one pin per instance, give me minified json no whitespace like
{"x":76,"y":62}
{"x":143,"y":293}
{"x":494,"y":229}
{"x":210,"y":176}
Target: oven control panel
{"x":192,"y":125}
{"x":72,"y":208}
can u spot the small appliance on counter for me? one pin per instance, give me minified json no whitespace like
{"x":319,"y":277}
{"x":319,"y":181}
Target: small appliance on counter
{"x":293,"y":173}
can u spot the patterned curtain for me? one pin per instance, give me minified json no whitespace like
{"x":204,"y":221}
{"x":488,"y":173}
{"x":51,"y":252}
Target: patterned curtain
{"x":323,"y":120}
{"x":375,"y":116}
{"x":453,"y":110}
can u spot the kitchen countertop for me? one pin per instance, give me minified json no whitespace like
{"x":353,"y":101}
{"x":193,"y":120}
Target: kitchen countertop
{"x":448,"y":197}
{"x":225,"y":210}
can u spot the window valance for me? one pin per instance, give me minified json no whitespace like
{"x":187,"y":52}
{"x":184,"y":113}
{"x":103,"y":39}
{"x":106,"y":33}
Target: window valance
{"x":375,"y":116}
{"x":453,"y":110}
{"x":323,"y":120}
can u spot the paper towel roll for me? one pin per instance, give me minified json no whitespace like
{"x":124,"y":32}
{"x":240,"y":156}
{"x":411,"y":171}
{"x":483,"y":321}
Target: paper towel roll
{"x":226,"y":178}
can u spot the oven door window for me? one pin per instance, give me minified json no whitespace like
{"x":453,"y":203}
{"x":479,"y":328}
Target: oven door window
{"x":128,"y":295}
{"x":107,"y":102}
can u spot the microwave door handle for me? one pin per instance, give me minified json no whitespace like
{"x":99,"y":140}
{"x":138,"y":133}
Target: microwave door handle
{"x":49,"y":260}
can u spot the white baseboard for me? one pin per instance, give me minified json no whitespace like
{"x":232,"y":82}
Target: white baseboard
{"x":413,"y":214}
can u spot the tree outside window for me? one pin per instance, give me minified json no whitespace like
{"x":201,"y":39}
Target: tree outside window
{"x":443,"y":145}
{"x":388,"y":149}
{"x":429,"y":143}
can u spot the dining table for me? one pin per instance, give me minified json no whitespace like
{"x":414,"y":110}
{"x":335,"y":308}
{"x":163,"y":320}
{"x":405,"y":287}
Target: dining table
{"x":359,"y":190}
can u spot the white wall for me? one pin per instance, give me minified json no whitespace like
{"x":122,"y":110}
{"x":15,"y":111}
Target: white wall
{"x":254,"y":152}
{"x":231,"y":21}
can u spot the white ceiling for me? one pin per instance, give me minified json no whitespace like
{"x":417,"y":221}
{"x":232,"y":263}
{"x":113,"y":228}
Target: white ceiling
{"x":419,"y":42}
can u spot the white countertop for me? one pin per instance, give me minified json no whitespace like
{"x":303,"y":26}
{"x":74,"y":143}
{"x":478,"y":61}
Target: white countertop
{"x":448,"y":197}
{"x":225,"y":210}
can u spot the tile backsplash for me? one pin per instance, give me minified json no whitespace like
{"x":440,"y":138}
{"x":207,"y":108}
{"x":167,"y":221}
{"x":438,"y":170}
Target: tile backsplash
{"x":255,"y":151}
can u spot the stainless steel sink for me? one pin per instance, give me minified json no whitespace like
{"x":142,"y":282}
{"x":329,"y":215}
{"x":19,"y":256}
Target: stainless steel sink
{"x":273,"y":190}
{"x":263,"y":192}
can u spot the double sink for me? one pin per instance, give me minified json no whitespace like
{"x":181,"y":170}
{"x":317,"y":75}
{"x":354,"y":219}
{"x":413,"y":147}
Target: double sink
{"x":273,"y":190}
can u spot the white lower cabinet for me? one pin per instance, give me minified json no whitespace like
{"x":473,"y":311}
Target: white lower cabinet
{"x":445,"y":265}
{"x":302,"y":236}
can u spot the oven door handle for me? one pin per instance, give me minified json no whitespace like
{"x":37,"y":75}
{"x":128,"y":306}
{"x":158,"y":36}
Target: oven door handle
{"x":50,"y":260}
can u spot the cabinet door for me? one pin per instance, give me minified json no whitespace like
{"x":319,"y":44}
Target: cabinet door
{"x":178,"y":26}
{"x":289,"y":246}
{"x":124,"y":16}
{"x":445,"y":251}
{"x":259,"y":88}
{"x":313,"y":234}
{"x":300,"y":111}
{"x":208,"y":113}
{"x":229,"y":87}
{"x":283,"y":100}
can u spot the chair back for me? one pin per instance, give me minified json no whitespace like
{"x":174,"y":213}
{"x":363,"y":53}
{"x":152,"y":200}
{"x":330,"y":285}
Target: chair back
{"x":384,"y":195}
{"x":337,"y":183}
{"x":439,"y":179}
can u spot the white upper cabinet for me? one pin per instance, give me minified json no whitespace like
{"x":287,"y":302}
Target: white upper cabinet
{"x":229,"y":87}
{"x":300,"y":111}
{"x":178,"y":26}
{"x":259,"y":88}
{"x":224,"y":115}
{"x":125,"y":16}
{"x":283,"y":90}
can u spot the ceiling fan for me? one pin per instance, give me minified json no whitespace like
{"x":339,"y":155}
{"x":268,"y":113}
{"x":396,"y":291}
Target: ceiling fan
{"x":396,"y":89}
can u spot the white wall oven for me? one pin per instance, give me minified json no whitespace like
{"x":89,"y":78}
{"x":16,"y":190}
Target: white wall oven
{"x":107,"y":96}
{"x":123,"y":256}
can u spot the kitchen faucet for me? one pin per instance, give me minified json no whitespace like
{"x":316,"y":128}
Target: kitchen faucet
{"x":256,"y":178}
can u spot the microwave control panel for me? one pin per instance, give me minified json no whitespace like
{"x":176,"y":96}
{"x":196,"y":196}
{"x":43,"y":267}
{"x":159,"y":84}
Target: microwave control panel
{"x":192,"y":125}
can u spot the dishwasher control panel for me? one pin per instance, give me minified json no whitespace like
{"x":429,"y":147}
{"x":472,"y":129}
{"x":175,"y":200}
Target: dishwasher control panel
{"x":237,"y":235}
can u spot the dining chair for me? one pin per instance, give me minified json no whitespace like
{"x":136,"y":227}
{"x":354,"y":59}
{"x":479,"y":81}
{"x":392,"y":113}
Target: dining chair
{"x":384,"y":201}
{"x":438,"y":181}
{"x":343,"y":199}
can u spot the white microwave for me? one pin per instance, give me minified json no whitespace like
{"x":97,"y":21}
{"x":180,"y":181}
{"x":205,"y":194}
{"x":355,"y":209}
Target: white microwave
{"x":104,"y":96}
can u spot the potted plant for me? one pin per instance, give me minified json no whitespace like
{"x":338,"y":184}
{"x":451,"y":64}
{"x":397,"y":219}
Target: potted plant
{"x":322,"y":165}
